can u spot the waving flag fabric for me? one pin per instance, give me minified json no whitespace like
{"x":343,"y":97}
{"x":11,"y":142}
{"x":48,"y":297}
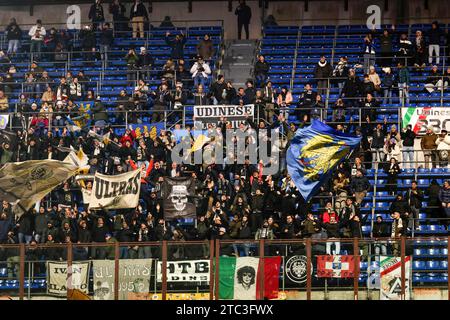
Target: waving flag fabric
{"x":314,"y":152}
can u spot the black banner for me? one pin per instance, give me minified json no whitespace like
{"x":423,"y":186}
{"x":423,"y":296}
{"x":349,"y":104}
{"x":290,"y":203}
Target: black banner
{"x":179,"y":196}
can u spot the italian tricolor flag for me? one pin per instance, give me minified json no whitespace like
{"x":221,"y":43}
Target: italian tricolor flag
{"x":239,"y":278}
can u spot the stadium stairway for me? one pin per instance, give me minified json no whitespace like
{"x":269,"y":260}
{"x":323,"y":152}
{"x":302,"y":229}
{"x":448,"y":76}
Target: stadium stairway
{"x":238,"y":61}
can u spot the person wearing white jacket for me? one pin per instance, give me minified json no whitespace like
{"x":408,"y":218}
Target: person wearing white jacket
{"x":37,"y":34}
{"x":200,"y":72}
{"x":443,"y":148}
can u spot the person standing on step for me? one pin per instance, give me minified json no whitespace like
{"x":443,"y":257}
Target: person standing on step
{"x":322,"y":74}
{"x":414,"y":197}
{"x":138,"y":15}
{"x":96,"y":14}
{"x":244,"y":14}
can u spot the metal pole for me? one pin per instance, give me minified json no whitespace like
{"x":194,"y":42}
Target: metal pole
{"x":69,"y":268}
{"x":448,"y":267}
{"x":22,"y":272}
{"x":216,"y":276}
{"x":164,"y":270}
{"x":116,"y":270}
{"x":211,"y":270}
{"x":355,"y":268}
{"x":261,"y":269}
{"x":308,"y":269}
{"x":402,"y":297}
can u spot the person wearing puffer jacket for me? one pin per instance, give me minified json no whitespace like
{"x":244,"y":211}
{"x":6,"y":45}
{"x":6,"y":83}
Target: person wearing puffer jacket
{"x":322,"y":73}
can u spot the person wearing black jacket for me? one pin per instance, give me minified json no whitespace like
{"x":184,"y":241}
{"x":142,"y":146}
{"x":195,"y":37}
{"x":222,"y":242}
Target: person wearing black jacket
{"x":352,"y":90}
{"x":392,"y":170}
{"x":106,"y":41}
{"x":13,"y":35}
{"x":322,"y":73}
{"x":138,"y":13}
{"x":380,"y":230}
{"x":434,"y":42}
{"x":261,"y":71}
{"x":145,"y":63}
{"x":377,"y":144}
{"x":217,"y":90}
{"x":99,"y":232}
{"x":162,"y":101}
{"x":332,"y":228}
{"x":408,"y":136}
{"x":402,"y":207}
{"x":244,"y":14}
{"x":177,"y":45}
{"x":96,"y":14}
{"x":118,"y":10}
{"x":414,"y":198}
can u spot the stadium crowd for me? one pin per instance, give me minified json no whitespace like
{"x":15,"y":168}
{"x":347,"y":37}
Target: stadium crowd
{"x":233,"y":201}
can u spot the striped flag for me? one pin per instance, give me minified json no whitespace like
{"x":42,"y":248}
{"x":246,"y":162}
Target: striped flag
{"x":239,"y":278}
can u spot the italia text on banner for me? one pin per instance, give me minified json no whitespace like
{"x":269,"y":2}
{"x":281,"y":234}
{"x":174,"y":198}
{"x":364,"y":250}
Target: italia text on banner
{"x":57,"y":273}
{"x":25,"y":183}
{"x":178,"y":196}
{"x":116,"y":192}
{"x":313,"y":154}
{"x":134,"y":278}
{"x":336,"y":266}
{"x":185,"y":271}
{"x":211,"y":114}
{"x":391,"y":278}
{"x":238,"y":278}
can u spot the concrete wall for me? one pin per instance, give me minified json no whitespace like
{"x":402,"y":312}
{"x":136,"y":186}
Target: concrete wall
{"x":331,"y":11}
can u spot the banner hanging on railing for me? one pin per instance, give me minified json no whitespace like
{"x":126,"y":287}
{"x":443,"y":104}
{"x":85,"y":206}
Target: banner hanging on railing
{"x":185,"y":271}
{"x":391,"y":278}
{"x":116,"y":192}
{"x":134,"y":278}
{"x":211,"y":114}
{"x":57,"y":273}
{"x":336,"y":266}
{"x":422,"y":117}
{"x":178,"y":198}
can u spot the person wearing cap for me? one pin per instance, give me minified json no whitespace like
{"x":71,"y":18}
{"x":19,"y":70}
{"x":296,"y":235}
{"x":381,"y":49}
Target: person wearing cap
{"x":428,"y":145}
{"x":387,"y":84}
{"x":200,"y":72}
{"x":145,"y":63}
{"x":443,"y":148}
{"x":434,"y":80}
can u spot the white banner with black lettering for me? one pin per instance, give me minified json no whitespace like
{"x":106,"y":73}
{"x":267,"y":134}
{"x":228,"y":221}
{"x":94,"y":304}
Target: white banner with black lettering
{"x":116,"y":192}
{"x":134,"y":277}
{"x":235,"y":114}
{"x":185,"y":271}
{"x":57,"y":273}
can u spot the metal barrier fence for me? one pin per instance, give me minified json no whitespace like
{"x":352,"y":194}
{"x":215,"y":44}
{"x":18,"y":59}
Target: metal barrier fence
{"x":430,"y":270}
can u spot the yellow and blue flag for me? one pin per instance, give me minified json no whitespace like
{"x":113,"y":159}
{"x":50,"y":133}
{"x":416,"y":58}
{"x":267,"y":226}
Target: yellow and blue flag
{"x":314,"y":152}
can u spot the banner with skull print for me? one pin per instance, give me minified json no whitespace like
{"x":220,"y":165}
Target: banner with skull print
{"x":179,"y":195}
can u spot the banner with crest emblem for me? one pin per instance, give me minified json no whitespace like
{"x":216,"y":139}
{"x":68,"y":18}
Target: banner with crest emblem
{"x":313,"y":154}
{"x":25,"y":183}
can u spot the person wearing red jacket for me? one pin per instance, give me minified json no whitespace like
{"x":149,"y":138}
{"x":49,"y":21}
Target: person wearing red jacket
{"x":129,"y":135}
{"x":329,"y":212}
